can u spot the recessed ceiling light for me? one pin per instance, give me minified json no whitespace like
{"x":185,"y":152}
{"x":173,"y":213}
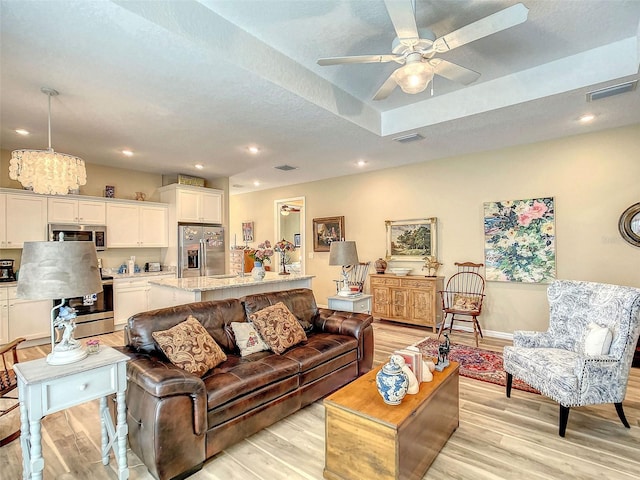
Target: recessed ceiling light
{"x":199,"y":166}
{"x":256,"y":183}
{"x":361,"y":163}
{"x":253,"y":150}
{"x":22,"y":131}
{"x":586,"y":118}
{"x":127,"y":153}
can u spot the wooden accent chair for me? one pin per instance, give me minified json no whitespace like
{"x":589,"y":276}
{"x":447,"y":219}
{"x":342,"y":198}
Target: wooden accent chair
{"x":463,"y":296}
{"x":585,"y":356}
{"x":357,"y":276}
{"x":9,"y":383}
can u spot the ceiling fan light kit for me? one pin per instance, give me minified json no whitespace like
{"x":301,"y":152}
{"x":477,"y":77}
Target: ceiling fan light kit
{"x":413,"y":77}
{"x":415,"y":48}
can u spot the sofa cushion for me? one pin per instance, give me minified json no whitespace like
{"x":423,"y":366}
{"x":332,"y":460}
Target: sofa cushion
{"x":322,"y":354}
{"x":189,"y":346}
{"x":550,"y":370}
{"x":299,"y":301}
{"x":278,"y":327}
{"x":247,"y":338}
{"x":239,"y":376}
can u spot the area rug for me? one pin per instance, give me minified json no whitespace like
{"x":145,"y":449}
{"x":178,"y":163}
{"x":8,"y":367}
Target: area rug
{"x":475,"y":363}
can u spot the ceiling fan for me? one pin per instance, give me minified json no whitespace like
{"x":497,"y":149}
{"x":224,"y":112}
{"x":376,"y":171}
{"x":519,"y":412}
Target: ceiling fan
{"x":287,"y":209}
{"x":415,"y":49}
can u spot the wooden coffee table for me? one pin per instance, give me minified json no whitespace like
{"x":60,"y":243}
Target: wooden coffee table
{"x":366,"y":438}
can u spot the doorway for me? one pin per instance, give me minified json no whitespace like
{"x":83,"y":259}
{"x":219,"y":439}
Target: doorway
{"x":290,"y":223}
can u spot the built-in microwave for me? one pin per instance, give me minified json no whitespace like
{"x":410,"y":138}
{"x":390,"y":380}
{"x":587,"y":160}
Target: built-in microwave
{"x":79,"y":233}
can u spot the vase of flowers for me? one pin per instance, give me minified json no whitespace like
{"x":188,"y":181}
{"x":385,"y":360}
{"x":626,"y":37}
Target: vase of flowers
{"x":282,"y":247}
{"x":261,"y":254}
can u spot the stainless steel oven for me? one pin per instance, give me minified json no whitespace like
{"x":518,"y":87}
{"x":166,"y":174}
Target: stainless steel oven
{"x":94,"y":312}
{"x":78,"y":233}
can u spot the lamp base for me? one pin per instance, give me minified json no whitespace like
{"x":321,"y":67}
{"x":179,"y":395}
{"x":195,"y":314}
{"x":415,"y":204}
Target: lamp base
{"x":64,"y":357}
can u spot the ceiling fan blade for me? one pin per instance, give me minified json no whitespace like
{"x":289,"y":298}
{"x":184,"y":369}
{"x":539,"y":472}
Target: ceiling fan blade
{"x":404,"y":20}
{"x":497,"y":22}
{"x":358,"y":59}
{"x":385,"y":90}
{"x":453,"y":71}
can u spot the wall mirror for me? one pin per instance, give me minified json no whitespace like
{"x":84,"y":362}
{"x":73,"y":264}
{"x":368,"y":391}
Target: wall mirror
{"x":289,"y":219}
{"x":629,"y":224}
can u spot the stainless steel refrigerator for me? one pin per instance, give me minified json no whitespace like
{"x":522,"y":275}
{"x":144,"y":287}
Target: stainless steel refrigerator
{"x":201,"y":250}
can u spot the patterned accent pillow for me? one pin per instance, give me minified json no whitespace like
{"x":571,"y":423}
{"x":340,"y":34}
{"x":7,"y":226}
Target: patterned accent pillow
{"x":466,"y":303}
{"x":247,"y":338}
{"x":189,"y":346}
{"x":278,"y":327}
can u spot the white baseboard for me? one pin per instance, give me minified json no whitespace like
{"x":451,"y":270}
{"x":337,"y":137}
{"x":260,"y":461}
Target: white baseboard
{"x":486,"y":333}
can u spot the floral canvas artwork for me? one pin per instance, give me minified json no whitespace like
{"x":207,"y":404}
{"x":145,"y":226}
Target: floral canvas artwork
{"x":519,"y":238}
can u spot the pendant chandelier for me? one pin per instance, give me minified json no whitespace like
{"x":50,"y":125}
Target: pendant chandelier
{"x":46,"y":171}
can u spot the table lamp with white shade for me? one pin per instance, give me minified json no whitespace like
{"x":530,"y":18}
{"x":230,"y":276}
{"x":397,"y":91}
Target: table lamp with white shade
{"x":344,"y":254}
{"x":60,"y":270}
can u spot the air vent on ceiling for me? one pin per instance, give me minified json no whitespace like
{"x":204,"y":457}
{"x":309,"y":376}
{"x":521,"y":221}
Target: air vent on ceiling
{"x":611,"y":91}
{"x":237,"y":185}
{"x":285,"y":168}
{"x":411,"y":137}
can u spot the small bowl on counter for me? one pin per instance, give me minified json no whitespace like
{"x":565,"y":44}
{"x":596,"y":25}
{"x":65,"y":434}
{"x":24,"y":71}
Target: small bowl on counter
{"x":400,"y":272}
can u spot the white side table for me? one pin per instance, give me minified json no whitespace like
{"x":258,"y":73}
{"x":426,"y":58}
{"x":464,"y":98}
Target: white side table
{"x":45,"y":389}
{"x":359,"y":304}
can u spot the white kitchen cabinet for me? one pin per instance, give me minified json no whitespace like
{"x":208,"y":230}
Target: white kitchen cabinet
{"x":135,"y":225}
{"x":4,"y":316}
{"x":73,"y":211}
{"x":131,"y":296}
{"x":19,"y":317}
{"x":3,"y":220}
{"x":23,"y":219}
{"x":194,"y":204}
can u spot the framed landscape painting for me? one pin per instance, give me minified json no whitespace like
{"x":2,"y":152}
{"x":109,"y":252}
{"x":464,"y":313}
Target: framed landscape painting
{"x":411,"y":240}
{"x":325,"y":231}
{"x":520,"y":241}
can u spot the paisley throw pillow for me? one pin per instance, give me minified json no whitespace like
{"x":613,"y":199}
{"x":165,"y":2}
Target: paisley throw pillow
{"x":278,"y":327}
{"x":189,"y":346}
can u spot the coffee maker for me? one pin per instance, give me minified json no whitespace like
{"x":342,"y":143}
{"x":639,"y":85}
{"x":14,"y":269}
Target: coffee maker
{"x":6,"y":270}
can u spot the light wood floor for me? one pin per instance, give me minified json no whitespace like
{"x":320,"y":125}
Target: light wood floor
{"x":498,"y":438}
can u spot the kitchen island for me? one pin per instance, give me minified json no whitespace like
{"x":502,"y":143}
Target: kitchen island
{"x":177,"y":291}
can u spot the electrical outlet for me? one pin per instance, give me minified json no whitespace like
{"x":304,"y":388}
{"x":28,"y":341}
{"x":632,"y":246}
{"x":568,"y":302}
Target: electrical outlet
{"x":310,"y":255}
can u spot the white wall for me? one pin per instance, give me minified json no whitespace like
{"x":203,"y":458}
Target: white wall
{"x":593,"y":178}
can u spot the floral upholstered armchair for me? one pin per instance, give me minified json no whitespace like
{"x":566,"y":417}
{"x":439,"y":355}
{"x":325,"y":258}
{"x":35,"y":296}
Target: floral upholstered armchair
{"x":585,"y":356}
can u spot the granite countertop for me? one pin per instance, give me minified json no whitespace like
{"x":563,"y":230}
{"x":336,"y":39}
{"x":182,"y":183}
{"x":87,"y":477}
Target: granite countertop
{"x":219,"y":282}
{"x":116,"y":275}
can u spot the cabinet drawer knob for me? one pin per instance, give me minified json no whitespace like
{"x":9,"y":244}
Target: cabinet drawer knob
{"x":84,"y":386}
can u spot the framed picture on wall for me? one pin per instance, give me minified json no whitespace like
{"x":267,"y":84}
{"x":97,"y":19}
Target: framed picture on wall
{"x":297,"y":242}
{"x":325,"y":231}
{"x":520,"y":240}
{"x":247,"y":232}
{"x":411,"y":240}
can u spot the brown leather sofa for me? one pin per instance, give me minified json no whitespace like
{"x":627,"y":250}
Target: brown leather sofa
{"x":177,"y":421}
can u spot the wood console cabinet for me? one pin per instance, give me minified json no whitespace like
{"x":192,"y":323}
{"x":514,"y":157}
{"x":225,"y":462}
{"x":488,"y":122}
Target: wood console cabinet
{"x":410,"y":299}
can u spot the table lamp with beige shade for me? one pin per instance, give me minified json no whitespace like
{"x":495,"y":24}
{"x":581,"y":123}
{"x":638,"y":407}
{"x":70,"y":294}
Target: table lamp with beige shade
{"x":60,"y":270}
{"x":345,"y":254}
